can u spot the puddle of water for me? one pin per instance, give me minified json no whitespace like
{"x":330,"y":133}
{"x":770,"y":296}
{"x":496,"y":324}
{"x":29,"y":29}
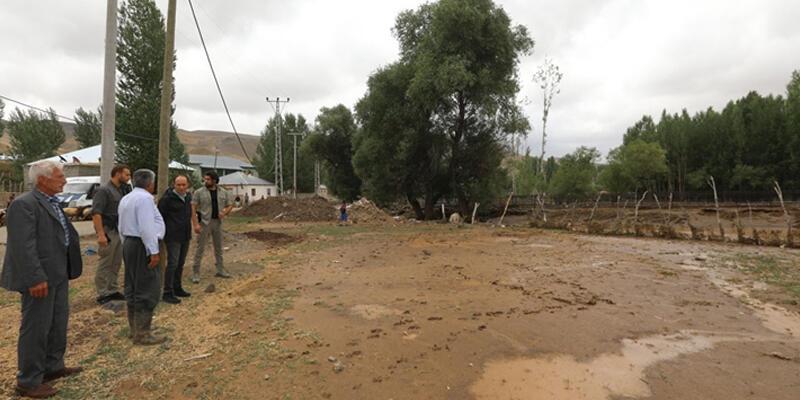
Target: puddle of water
{"x":562,"y":377}
{"x":373,"y":311}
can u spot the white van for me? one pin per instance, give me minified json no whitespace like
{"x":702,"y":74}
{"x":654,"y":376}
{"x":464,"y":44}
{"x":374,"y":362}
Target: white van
{"x":78,"y":192}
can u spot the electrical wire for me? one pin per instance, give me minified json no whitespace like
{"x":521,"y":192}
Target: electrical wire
{"x":67,"y":118}
{"x":216,"y":82}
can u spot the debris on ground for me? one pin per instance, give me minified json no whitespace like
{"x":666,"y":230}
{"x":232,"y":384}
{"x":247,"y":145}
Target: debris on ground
{"x":364,"y":211}
{"x":279,"y":209}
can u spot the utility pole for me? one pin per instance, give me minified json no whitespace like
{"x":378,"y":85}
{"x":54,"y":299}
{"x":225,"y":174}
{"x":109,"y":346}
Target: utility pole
{"x":107,"y":148}
{"x":294,"y":163}
{"x":278,"y":143}
{"x":316,"y":177}
{"x":166,"y":101}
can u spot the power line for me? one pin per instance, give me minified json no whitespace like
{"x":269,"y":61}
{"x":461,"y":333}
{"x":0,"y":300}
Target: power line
{"x":216,"y":82}
{"x":38,"y":109}
{"x":70,"y":119}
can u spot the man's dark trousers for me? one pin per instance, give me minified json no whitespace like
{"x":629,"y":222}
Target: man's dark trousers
{"x":176,"y":258}
{"x":142,"y":283}
{"x":43,"y":334}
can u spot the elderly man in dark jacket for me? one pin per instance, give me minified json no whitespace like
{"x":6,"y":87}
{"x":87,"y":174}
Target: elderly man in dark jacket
{"x":176,"y":208}
{"x":42,"y":254}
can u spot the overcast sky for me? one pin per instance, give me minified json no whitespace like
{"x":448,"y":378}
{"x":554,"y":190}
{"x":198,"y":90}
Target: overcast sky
{"x":621,"y":58}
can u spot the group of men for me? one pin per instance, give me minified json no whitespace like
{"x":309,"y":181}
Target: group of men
{"x":43,"y":253}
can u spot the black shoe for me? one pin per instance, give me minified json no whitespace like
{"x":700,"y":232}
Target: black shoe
{"x":179,"y":292}
{"x":170,"y":298}
{"x":116,"y":296}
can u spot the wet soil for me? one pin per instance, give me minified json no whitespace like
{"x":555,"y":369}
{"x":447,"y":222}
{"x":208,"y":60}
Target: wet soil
{"x":425,"y":311}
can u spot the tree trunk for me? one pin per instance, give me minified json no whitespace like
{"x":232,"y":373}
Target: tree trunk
{"x":412,"y":200}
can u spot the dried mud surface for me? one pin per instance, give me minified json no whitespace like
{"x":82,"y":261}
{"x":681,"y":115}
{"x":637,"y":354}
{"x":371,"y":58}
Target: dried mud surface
{"x":424,"y":311}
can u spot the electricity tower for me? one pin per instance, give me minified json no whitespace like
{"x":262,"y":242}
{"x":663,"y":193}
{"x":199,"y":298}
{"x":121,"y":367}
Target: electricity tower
{"x":278,"y":143}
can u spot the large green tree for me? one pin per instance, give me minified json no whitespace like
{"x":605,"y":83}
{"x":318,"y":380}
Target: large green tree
{"x":793,"y":129}
{"x":140,"y":60}
{"x":34,"y":135}
{"x":332,"y":143}
{"x":88,"y":127}
{"x":265,"y":153}
{"x":464,"y":55}
{"x":575,"y":177}
{"x":635,"y":166}
{"x":399,"y":156}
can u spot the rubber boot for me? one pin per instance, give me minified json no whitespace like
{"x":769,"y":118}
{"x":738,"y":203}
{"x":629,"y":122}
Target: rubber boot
{"x":144,"y":335}
{"x":131,"y":323}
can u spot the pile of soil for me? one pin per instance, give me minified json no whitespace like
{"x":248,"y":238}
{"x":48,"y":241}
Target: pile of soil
{"x":312,"y":209}
{"x":364,"y":211}
{"x":273,"y":238}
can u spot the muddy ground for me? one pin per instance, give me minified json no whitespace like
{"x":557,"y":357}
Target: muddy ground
{"x":433,"y":311}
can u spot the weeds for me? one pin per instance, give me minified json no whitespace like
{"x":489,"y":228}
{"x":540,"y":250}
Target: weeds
{"x":772,"y":270}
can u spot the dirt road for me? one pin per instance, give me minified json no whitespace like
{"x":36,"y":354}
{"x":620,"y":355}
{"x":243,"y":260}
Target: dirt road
{"x":439,"y":312}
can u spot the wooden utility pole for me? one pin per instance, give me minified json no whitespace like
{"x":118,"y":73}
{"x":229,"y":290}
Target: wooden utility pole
{"x":107,"y":148}
{"x":166,"y":101}
{"x":294,"y":163}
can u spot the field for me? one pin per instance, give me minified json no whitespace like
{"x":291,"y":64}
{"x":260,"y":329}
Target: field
{"x":438,"y":311}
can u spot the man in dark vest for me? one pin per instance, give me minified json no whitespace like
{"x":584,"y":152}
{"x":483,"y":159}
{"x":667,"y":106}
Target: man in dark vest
{"x":42,"y":254}
{"x":176,"y":208}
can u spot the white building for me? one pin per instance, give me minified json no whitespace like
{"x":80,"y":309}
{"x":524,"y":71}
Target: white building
{"x":248,"y":187}
{"x":86,"y":162}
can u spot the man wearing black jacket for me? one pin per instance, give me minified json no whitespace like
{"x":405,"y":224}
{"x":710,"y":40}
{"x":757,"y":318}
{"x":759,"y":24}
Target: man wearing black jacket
{"x":176,"y":208}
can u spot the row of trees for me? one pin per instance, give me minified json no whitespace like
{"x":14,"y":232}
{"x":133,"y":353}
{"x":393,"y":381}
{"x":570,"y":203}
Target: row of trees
{"x":752,"y":142}
{"x":140,"y":52}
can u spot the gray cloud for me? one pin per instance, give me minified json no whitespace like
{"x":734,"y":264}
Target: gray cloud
{"x":621,"y":58}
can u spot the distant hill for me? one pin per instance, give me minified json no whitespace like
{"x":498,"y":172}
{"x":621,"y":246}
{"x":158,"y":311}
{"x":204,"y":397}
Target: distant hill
{"x":207,"y":142}
{"x":196,"y":142}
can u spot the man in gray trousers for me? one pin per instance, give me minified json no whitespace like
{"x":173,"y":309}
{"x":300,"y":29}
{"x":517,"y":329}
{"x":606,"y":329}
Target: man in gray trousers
{"x":210,"y":205}
{"x":42,"y":254}
{"x":104,"y":218}
{"x":141,"y":227}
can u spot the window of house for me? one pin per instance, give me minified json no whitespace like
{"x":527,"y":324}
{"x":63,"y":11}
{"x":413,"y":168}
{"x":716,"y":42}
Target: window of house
{"x":253,"y":192}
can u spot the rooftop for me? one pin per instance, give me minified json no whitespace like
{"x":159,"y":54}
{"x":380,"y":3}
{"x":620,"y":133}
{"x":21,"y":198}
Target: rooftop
{"x":91,"y":155}
{"x":240,"y":178}
{"x":218,"y":162}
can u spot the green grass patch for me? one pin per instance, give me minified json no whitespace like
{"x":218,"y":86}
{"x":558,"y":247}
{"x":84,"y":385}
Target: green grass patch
{"x":772,"y":270}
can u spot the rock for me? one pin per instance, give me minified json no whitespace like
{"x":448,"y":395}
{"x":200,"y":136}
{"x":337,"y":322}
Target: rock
{"x":332,"y":359}
{"x":211,"y":288}
{"x":455,"y":218}
{"x":266,"y":377}
{"x":338,"y":367}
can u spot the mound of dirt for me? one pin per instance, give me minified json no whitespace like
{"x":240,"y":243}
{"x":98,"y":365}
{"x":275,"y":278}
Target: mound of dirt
{"x":312,"y":209}
{"x":364,"y":211}
{"x":273,"y":238}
